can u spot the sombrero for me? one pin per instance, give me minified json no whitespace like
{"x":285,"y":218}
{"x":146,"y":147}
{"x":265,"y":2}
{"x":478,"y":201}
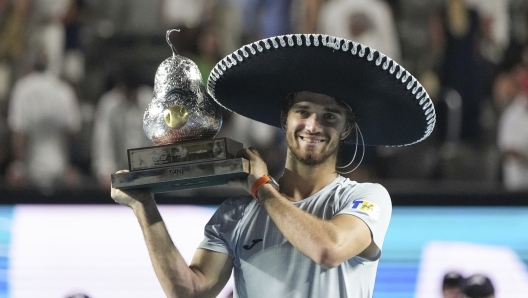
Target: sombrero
{"x":390,"y":105}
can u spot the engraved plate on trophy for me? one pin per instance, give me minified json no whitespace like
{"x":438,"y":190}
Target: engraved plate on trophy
{"x":181,"y":120}
{"x":182,"y":153}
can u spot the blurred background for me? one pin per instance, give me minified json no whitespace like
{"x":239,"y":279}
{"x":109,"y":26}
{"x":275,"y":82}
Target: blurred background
{"x":76,"y":76}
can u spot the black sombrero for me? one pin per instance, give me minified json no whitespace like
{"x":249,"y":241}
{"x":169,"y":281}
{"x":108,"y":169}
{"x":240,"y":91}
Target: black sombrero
{"x":390,"y":105}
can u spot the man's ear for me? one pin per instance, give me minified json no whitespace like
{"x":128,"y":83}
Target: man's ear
{"x":346,"y":132}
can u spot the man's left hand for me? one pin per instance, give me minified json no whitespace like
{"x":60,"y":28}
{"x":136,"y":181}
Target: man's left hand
{"x":257,"y":168}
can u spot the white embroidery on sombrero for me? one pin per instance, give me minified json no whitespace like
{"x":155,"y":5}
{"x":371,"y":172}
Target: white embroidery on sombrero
{"x":274,"y":43}
{"x":330,"y":41}
{"x":429,"y":111}
{"x":307,"y":39}
{"x":336,"y":43}
{"x":370,"y":56}
{"x":400,"y":72}
{"x":281,"y":40}
{"x":405,"y":77}
{"x":259,"y":48}
{"x":290,"y":41}
{"x":387,"y":63}
{"x":227,"y":62}
{"x":238,"y":56}
{"x":362,"y":50}
{"x":354,"y":47}
{"x":251,"y":49}
{"x":393,"y":67}
{"x":431,"y":118}
{"x":244,"y":52}
{"x":299,"y":40}
{"x":427,"y":105}
{"x":266,"y":44}
{"x":411,"y":83}
{"x":346,"y":45}
{"x":316,"y":39}
{"x":380,"y":59}
{"x":415,"y":89}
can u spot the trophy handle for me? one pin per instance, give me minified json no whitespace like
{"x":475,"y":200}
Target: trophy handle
{"x":174,"y":52}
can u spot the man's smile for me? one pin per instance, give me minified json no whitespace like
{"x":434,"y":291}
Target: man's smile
{"x":310,"y":139}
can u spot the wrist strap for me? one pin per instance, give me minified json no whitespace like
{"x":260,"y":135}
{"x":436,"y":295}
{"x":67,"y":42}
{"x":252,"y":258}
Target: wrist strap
{"x":260,"y":181}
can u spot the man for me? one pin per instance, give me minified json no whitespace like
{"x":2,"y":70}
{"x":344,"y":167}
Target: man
{"x":313,"y":234}
{"x":44,"y":116}
{"x":451,"y":285}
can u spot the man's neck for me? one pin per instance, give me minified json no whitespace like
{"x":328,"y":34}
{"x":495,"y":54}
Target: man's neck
{"x":300,"y":181}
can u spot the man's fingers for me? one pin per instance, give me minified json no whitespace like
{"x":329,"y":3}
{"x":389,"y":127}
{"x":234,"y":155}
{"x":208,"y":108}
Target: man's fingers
{"x":248,"y":153}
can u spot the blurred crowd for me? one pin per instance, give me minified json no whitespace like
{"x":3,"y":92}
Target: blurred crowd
{"x":76,"y":76}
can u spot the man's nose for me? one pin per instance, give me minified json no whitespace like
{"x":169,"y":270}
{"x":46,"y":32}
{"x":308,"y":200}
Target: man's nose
{"x":312,"y":123}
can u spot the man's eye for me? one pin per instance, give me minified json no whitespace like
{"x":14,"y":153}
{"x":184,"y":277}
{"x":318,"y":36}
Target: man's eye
{"x":302,"y":112}
{"x":330,"y":116}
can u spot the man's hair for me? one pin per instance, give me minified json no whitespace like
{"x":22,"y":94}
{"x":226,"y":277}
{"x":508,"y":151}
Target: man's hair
{"x":350,"y":119}
{"x":452,"y":280}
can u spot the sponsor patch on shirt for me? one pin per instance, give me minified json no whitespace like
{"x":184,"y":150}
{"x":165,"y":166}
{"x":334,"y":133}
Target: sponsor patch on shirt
{"x":366,"y":207}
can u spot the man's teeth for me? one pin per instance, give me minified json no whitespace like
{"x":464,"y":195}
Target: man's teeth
{"x":312,"y":140}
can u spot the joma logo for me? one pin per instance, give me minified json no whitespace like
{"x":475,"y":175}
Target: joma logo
{"x":176,"y":171}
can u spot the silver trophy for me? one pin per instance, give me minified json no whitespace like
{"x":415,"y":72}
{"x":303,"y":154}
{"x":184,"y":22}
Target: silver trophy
{"x":182,"y":119}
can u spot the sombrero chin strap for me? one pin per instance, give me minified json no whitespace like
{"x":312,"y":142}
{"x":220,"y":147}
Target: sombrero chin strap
{"x":358,"y":134}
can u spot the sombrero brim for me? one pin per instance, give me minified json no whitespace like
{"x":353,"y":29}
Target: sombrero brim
{"x":390,"y":105}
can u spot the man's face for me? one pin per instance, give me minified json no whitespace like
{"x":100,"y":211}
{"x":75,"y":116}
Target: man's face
{"x":314,"y":126}
{"x":452,"y":292}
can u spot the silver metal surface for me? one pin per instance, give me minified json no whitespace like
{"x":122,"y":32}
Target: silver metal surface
{"x":183,"y":177}
{"x":182,"y":153}
{"x":178,"y":82}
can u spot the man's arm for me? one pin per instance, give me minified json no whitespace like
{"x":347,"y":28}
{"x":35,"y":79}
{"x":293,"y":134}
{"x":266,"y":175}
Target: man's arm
{"x":326,"y":242}
{"x":205,"y":277}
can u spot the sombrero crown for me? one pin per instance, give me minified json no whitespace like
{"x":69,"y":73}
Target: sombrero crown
{"x":390,"y":105}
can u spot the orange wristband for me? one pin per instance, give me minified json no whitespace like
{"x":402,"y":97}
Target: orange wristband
{"x":260,"y":181}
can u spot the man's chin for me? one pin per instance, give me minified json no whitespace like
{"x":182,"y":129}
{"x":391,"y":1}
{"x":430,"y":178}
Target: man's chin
{"x":310,"y":159}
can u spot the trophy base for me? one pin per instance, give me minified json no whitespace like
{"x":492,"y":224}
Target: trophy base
{"x":183,"y":177}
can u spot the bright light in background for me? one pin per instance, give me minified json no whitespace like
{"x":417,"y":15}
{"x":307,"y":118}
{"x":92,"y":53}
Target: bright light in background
{"x":501,"y":264}
{"x":56,"y":251}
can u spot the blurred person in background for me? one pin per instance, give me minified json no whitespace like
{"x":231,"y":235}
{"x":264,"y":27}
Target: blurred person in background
{"x":118,"y":124}
{"x":43,"y":116}
{"x":208,"y":48}
{"x":478,"y":286}
{"x":512,"y":86}
{"x":369,"y":22}
{"x":455,"y":32}
{"x":266,"y":18}
{"x":46,"y":28}
{"x":452,"y":285}
{"x":13,"y":19}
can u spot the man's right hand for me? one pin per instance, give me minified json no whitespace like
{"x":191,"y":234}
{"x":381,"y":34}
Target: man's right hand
{"x":130,"y":198}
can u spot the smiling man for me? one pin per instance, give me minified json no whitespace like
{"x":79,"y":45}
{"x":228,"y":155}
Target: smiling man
{"x":314,"y":233}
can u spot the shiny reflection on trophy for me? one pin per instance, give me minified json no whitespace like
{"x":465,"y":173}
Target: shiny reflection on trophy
{"x":182,"y":119}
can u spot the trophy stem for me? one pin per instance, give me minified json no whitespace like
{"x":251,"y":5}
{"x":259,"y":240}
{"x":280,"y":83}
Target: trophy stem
{"x":174,"y":52}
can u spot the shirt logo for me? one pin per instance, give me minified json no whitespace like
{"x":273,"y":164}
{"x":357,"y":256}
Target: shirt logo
{"x":366,"y":207}
{"x":253,"y":242}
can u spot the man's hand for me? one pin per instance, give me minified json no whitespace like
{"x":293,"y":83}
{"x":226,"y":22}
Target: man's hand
{"x":130,"y":198}
{"x":257,"y":168}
